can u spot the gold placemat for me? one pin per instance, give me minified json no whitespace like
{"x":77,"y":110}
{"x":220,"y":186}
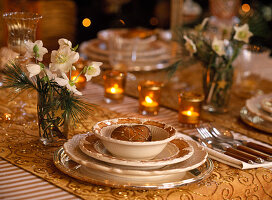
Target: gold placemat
{"x":19,"y":145}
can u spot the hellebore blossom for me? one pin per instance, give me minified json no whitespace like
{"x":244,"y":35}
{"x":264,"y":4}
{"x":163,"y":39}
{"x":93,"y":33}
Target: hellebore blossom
{"x":218,"y":46}
{"x":93,"y":70}
{"x":242,"y":33}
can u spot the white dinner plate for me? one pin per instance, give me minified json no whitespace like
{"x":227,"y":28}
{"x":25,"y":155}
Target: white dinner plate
{"x":72,"y":149}
{"x":254,"y":106}
{"x":255,"y":121}
{"x":266,"y":104}
{"x":63,"y":162}
{"x":156,"y":48}
{"x":176,"y":151}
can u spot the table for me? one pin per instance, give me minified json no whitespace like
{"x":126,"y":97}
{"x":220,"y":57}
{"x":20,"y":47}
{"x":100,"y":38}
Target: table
{"x":19,"y":146}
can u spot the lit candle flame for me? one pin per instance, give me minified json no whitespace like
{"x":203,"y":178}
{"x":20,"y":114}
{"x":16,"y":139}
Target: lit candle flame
{"x":148,"y":99}
{"x":189,"y":113}
{"x":114,"y":88}
{"x":7,"y":116}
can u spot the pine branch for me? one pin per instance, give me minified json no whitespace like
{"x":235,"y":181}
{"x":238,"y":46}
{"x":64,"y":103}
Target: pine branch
{"x":15,"y":78}
{"x":73,"y":106}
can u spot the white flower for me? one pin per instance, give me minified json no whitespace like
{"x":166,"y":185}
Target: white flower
{"x":63,"y":59}
{"x":34,"y":69}
{"x":93,"y":70}
{"x":50,"y":75}
{"x":218,"y":46}
{"x":36,"y":49}
{"x":67,"y":83}
{"x":64,"y":42}
{"x":242,"y":33}
{"x":189,"y":45}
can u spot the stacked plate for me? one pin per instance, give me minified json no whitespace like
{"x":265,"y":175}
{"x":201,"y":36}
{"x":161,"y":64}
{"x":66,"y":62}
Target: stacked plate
{"x":181,"y":162}
{"x":151,"y":54}
{"x":258,"y":112}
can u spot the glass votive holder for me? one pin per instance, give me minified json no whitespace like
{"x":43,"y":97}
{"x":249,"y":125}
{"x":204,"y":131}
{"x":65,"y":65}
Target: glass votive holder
{"x":80,"y":80}
{"x":190,"y":107}
{"x":114,"y":85}
{"x":149,"y":97}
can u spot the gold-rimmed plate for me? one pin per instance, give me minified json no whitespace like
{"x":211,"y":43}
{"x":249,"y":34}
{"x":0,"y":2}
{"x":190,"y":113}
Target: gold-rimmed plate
{"x":175,"y":151}
{"x":254,"y":106}
{"x":73,"y":169}
{"x":255,"y":121}
{"x":198,"y":158}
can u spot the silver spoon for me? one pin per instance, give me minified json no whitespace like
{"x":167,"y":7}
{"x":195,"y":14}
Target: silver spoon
{"x":226,"y":135}
{"x":222,"y":149}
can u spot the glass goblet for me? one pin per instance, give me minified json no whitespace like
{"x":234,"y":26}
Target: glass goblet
{"x":21,"y":28}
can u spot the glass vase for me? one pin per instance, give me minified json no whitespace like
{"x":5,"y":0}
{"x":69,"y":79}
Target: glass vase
{"x":53,"y":123}
{"x":217,"y":82}
{"x":21,"y":28}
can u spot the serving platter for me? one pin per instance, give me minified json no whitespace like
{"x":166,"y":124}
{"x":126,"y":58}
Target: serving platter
{"x":255,"y":120}
{"x":176,"y":151}
{"x":83,"y":173}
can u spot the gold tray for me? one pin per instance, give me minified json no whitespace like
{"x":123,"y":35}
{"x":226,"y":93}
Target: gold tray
{"x":75,"y":170}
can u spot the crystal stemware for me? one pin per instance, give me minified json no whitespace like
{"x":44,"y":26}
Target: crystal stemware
{"x":21,"y":28}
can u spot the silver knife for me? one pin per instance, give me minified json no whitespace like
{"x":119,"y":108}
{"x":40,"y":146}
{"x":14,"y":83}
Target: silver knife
{"x":227,"y":150}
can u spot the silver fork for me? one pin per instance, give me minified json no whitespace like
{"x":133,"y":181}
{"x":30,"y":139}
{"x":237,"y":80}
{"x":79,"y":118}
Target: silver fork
{"x":227,"y":148}
{"x":240,"y":144}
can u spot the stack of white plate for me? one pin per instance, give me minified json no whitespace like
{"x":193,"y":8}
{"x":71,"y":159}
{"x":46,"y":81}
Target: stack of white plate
{"x":152,"y":54}
{"x":84,"y":157}
{"x":258,"y":112}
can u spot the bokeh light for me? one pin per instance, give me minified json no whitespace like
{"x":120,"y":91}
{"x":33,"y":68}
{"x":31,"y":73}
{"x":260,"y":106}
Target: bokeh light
{"x":86,"y":22}
{"x":122,"y":21}
{"x":245,"y":7}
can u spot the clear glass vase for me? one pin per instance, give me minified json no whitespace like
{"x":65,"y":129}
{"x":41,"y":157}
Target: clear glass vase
{"x":21,"y":28}
{"x":53,"y":123}
{"x":217,"y":82}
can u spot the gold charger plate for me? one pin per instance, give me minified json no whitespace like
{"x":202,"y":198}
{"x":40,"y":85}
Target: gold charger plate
{"x":75,"y":170}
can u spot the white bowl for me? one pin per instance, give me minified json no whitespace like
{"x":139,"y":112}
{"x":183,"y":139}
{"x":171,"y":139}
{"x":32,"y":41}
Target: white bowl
{"x":161,"y":135}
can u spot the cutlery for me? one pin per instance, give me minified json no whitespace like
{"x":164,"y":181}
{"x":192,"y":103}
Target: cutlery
{"x":221,"y":149}
{"x":206,"y":135}
{"x":249,"y":147}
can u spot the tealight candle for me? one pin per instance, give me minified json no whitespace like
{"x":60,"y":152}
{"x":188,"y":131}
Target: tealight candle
{"x":114,"y":90}
{"x":114,"y":84}
{"x":149,"y":97}
{"x":189,"y":107}
{"x":80,"y":80}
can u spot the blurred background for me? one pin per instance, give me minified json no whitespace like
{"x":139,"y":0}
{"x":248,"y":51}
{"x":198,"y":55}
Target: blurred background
{"x":80,"y":20}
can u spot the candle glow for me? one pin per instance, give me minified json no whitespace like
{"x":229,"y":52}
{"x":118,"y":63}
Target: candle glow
{"x":115,"y":89}
{"x":189,"y":107}
{"x":190,"y":112}
{"x":149,"y":97}
{"x":148,"y":102}
{"x":80,"y":80}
